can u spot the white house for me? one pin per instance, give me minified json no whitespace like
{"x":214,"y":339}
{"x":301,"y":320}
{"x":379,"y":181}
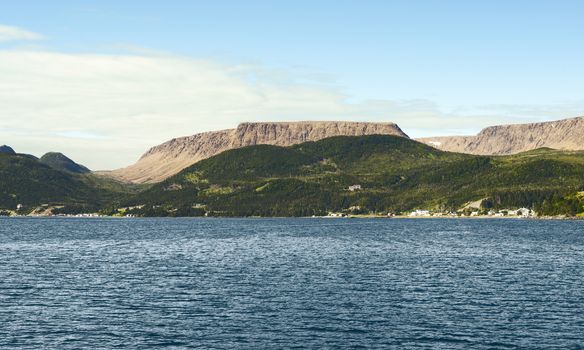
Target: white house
{"x":418,"y":212}
{"x":353,"y":188}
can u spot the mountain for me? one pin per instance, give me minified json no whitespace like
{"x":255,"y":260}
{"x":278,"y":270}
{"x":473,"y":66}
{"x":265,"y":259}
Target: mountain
{"x":566,"y":134}
{"x":61,"y":162}
{"x":171,"y":157}
{"x":376,"y":173}
{"x":6,"y":150}
{"x":26,"y":180}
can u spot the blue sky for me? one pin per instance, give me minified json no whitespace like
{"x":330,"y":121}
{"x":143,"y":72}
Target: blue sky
{"x":434,"y":67}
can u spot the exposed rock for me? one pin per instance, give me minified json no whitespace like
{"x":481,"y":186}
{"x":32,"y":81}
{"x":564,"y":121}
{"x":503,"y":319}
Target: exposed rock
{"x":566,"y":134}
{"x":171,"y":157}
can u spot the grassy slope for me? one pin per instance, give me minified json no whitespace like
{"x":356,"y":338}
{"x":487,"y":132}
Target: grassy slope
{"x":396,"y":174}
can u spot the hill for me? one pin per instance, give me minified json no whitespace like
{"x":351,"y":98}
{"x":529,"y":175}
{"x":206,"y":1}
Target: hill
{"x":61,"y":162}
{"x":377,"y":173}
{"x":171,"y":157}
{"x":566,"y":134}
{"x":27,"y":181}
{"x":6,"y":150}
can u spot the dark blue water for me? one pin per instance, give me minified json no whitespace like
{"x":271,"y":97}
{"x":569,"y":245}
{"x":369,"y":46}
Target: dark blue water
{"x":291,"y":283}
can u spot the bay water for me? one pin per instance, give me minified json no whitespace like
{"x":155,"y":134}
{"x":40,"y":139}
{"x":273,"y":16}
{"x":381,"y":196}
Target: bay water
{"x":71,"y":283}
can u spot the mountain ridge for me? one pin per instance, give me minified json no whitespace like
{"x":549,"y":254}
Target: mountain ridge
{"x":166,"y":159}
{"x":170,"y":157}
{"x":364,"y":174}
{"x":563,"y":134}
{"x":27,"y":182}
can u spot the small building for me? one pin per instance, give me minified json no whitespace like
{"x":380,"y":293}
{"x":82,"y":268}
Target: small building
{"x":353,"y":188}
{"x":19,"y":206}
{"x":418,"y":212}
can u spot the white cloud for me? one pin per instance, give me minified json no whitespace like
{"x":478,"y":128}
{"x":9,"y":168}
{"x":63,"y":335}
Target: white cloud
{"x":106,"y":110}
{"x":10,"y":33}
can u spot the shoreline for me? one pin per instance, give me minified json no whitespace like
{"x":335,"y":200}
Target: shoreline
{"x":398,"y":217}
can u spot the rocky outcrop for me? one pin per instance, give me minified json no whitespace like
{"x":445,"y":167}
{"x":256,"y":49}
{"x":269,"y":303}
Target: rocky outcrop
{"x":566,"y":134}
{"x":171,"y":157}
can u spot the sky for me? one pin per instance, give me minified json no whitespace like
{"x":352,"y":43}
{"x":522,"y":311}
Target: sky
{"x":102,"y":81}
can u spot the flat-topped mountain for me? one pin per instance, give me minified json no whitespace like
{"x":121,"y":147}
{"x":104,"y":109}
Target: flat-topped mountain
{"x":363,"y":174}
{"x":61,"y":162}
{"x":566,"y":134}
{"x":171,"y":157}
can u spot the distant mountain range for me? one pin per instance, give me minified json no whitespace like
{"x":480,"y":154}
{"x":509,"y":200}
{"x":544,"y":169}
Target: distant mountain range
{"x":55,"y":160}
{"x":52,"y":182}
{"x":169,"y":158}
{"x":311,"y":168}
{"x":566,"y":134}
{"x":363,"y":174}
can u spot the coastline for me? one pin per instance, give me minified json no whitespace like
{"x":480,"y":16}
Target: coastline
{"x":364,"y":216}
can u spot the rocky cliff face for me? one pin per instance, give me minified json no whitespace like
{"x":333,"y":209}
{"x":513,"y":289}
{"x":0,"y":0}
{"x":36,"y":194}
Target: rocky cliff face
{"x":566,"y":134}
{"x":171,"y":157}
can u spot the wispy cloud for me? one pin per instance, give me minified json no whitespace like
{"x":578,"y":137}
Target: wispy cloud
{"x":106,"y":110}
{"x":11,"y":33}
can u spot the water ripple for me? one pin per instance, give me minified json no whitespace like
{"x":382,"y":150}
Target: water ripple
{"x":290,"y":283}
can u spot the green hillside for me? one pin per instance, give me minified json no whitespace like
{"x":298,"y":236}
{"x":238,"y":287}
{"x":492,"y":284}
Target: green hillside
{"x":27,"y":181}
{"x":60,"y":161}
{"x":395,"y":175}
